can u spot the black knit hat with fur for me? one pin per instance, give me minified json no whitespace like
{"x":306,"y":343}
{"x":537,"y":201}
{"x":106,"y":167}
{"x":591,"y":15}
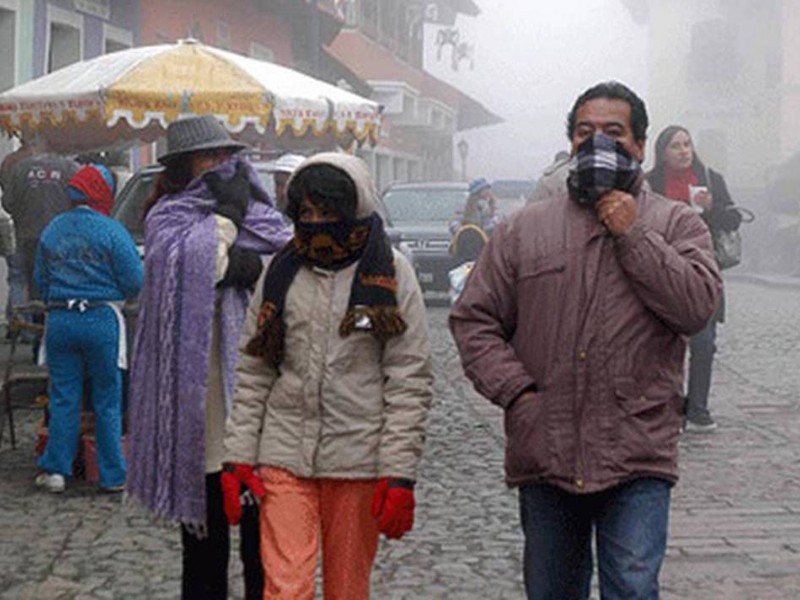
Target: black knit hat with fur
{"x":325,"y":186}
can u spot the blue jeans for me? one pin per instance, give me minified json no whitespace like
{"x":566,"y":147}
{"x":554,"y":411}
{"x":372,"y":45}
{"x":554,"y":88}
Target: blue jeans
{"x":702,"y":346}
{"x":77,"y":344}
{"x":630,"y":525}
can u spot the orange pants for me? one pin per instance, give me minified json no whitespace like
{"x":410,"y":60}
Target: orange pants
{"x":295,"y":514}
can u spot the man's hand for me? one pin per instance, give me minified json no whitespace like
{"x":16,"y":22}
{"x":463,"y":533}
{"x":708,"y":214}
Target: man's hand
{"x":617,"y":211}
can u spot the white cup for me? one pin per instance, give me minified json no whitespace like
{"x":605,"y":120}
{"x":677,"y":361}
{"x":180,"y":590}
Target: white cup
{"x":694,"y":190}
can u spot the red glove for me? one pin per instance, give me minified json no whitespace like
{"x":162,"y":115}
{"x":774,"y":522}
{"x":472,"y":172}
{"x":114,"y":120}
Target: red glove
{"x":393,"y":506}
{"x":234,"y":476}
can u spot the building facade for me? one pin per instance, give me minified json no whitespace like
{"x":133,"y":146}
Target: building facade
{"x":728,"y":70}
{"x":40,"y":36}
{"x":382,"y":42}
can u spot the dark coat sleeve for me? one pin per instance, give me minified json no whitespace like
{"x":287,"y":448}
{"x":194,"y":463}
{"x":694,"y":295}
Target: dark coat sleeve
{"x":720,"y":217}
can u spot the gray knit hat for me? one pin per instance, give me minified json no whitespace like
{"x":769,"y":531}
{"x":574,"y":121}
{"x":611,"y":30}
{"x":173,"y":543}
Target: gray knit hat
{"x":196,"y":133}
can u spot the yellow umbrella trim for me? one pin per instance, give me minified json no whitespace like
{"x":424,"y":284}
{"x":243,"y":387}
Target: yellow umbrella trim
{"x":361,"y":132}
{"x":188,"y":79}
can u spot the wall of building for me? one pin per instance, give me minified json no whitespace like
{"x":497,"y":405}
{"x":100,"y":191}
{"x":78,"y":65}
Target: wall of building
{"x":116,"y":20}
{"x":790,"y":87}
{"x":235,"y":24}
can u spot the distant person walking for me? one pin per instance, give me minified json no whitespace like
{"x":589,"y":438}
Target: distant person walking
{"x":553,"y":178}
{"x":480,"y":208}
{"x":8,"y":239}
{"x":87,"y":265}
{"x":281,"y":170}
{"x":15,"y":276}
{"x":680,"y":175}
{"x":573,"y":321}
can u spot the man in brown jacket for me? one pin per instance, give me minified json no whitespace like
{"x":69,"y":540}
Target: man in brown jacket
{"x":574,"y":321}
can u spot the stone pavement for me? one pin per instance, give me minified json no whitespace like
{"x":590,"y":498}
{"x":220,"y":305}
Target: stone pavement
{"x":735,"y":523}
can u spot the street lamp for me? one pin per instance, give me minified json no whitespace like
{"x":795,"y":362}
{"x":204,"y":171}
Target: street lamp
{"x":463,"y":150}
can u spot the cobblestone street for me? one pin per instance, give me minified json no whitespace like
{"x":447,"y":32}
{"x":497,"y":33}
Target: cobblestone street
{"x":735,"y":521}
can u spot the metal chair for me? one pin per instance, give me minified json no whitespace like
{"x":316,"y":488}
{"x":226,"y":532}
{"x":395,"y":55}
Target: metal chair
{"x":17,"y":374}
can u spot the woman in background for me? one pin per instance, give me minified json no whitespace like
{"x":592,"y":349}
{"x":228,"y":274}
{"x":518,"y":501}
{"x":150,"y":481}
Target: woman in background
{"x":680,"y":175}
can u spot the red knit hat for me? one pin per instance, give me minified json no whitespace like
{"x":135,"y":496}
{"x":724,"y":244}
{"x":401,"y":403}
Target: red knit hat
{"x":90,"y":186}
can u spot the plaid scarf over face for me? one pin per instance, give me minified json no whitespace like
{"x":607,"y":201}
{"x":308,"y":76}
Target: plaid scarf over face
{"x":602,"y":164}
{"x":372,"y":306}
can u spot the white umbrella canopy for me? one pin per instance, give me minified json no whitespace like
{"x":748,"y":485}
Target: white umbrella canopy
{"x":128,"y":97}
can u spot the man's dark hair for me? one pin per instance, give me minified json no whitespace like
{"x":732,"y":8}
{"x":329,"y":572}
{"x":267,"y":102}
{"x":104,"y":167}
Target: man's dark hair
{"x":325,"y":186}
{"x":613,"y":90}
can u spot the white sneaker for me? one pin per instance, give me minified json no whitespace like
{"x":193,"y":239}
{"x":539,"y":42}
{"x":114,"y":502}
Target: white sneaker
{"x":52,"y":482}
{"x":706,"y":425}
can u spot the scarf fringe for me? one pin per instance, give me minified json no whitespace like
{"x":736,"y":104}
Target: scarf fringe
{"x":385,"y":321}
{"x":268,"y":341}
{"x":133,"y":507}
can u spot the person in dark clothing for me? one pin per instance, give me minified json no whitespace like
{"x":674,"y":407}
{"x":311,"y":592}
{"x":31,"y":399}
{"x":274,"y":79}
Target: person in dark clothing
{"x":680,"y":175}
{"x":574,"y":321}
{"x":467,"y":243}
{"x":34,"y":192}
{"x":466,"y":246}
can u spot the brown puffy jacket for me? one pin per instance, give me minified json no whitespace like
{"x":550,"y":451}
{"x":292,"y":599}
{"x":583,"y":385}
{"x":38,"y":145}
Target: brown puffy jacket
{"x":598,"y":327}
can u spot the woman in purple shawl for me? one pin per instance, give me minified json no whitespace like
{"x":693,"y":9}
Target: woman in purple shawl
{"x":204,"y":238}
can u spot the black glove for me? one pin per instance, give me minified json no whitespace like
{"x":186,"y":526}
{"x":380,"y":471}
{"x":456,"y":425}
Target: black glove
{"x":231,"y":195}
{"x":244,"y":268}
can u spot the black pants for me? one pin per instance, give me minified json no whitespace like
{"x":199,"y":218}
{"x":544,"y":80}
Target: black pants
{"x":205,"y":561}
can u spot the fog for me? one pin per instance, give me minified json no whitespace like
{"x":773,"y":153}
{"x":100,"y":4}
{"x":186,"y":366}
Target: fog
{"x":725,"y":70}
{"x":531,"y":60}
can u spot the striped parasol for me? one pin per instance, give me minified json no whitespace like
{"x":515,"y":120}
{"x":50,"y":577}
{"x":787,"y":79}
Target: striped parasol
{"x":130,"y":96}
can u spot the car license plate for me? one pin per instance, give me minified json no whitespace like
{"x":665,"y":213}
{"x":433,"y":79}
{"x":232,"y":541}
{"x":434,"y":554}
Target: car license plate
{"x":425,"y":277}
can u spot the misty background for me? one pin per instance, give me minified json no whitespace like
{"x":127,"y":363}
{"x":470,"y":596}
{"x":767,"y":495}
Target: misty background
{"x":727,"y":70}
{"x":531,"y":60}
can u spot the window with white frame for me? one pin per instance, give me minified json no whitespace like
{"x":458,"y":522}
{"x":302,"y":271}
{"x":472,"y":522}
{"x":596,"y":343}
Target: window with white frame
{"x":8,"y":66}
{"x":8,"y":43}
{"x":116,"y":39}
{"x":350,"y":13}
{"x":64,"y":43}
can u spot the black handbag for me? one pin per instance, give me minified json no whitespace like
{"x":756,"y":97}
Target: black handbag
{"x":728,"y":244}
{"x":728,"y":248}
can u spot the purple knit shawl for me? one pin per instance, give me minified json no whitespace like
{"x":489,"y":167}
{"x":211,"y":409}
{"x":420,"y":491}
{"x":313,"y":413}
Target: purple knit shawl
{"x":171,"y":355}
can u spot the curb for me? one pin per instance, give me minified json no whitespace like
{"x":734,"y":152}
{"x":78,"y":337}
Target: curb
{"x":773,"y":281}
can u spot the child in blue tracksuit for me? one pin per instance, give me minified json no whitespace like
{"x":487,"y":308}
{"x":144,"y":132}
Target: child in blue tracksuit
{"x":87,"y":265}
